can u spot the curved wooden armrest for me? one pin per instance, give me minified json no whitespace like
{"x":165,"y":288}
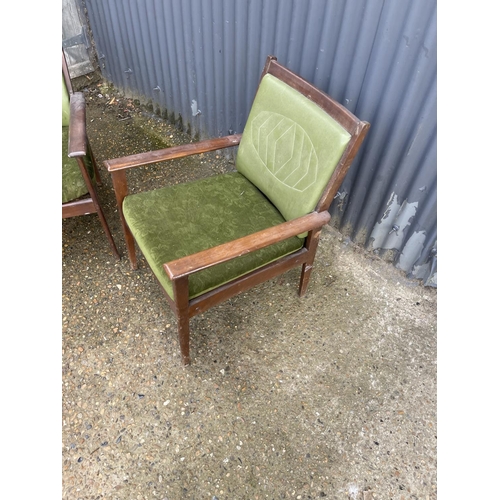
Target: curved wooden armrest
{"x":241,"y":246}
{"x":159,"y":155}
{"x":77,"y":145}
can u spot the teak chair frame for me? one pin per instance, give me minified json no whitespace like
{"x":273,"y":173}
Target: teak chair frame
{"x":79,"y":148}
{"x":179,"y":270}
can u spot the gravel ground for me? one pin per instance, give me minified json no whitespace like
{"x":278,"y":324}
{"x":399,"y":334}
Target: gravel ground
{"x":329,"y":396}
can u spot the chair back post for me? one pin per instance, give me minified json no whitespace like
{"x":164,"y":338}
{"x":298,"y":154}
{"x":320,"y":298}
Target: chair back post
{"x":65,"y":71}
{"x":345,"y":162}
{"x":267,"y":65}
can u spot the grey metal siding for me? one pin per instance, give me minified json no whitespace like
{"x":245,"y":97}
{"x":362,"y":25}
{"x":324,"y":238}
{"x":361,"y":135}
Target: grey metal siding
{"x":198,"y":62}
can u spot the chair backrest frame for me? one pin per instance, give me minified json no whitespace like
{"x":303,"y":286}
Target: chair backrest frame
{"x":67,"y":77}
{"x":352,"y":124}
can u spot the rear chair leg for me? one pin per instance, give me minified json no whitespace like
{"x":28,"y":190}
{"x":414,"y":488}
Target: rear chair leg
{"x":97,"y":204}
{"x":108,"y":232}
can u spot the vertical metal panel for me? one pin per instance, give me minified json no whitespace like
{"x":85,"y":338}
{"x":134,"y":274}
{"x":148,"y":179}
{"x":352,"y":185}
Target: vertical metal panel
{"x":198,"y":62}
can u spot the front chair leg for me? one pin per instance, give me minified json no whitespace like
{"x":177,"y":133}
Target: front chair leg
{"x":120,"y":187}
{"x":183,"y":330}
{"x":311,"y":245}
{"x":304,"y":278}
{"x":181,"y":298}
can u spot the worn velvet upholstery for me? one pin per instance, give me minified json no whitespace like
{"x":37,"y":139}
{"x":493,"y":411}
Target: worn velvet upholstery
{"x":180,"y":220}
{"x":289,"y":147}
{"x":65,"y":104}
{"x":73,"y":184}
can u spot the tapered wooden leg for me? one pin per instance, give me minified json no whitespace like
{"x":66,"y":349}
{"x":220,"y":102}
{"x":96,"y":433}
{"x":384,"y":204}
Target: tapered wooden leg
{"x":94,"y":163}
{"x":107,"y":231}
{"x":130,"y":243}
{"x":183,"y":329}
{"x":181,"y":298}
{"x":304,"y":279}
{"x":121,"y":190}
{"x":97,"y":205}
{"x":311,"y":245}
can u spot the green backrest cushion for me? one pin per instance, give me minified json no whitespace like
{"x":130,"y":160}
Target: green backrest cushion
{"x":183,"y":219}
{"x":289,"y":148}
{"x":65,"y":104}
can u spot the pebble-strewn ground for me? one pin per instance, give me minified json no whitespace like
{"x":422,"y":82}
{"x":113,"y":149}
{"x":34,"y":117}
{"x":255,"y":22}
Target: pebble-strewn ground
{"x":329,"y":396}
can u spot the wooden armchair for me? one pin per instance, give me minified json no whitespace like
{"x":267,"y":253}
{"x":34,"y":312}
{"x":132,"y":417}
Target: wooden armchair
{"x":79,"y":170}
{"x":211,"y":239}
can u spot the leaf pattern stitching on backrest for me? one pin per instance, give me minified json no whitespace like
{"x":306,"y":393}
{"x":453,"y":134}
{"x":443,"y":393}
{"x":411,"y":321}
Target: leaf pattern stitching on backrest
{"x":285,"y":150}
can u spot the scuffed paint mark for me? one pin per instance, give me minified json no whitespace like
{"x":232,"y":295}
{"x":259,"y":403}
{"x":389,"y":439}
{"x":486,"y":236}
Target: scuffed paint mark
{"x":428,"y":270}
{"x":427,"y":273}
{"x":411,"y":251}
{"x":389,"y":232}
{"x":414,"y":140}
{"x":432,"y":280}
{"x":194,"y":108}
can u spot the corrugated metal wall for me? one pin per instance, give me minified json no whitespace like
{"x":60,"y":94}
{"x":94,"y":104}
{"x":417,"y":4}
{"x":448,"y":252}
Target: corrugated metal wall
{"x":198,"y":62}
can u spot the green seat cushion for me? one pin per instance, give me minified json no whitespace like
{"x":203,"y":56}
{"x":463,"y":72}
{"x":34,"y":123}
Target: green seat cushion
{"x":180,"y":220}
{"x":73,"y":184}
{"x":289,"y":148}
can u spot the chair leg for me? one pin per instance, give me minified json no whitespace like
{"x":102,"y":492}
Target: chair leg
{"x":183,"y":330}
{"x":181,"y":299}
{"x":312,"y":245}
{"x":119,"y":180}
{"x":304,"y":279}
{"x":97,"y":204}
{"x":130,"y":243}
{"x":94,"y":163}
{"x":107,"y":230}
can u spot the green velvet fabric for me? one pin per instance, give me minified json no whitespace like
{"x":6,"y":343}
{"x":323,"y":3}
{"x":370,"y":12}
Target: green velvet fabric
{"x":289,"y":148}
{"x":73,"y":184}
{"x":65,"y":104}
{"x":180,"y":220}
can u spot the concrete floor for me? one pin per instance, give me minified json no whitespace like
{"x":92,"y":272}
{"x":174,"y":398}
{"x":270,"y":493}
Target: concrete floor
{"x":329,"y":396}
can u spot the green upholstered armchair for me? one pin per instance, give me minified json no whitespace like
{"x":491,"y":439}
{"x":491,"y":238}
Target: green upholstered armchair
{"x":210,"y":239}
{"x":79,"y":170}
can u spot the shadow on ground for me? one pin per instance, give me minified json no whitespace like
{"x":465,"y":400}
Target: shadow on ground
{"x":329,"y":396}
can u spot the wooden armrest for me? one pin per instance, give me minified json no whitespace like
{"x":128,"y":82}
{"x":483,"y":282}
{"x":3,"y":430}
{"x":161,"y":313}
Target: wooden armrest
{"x":241,"y":246}
{"x":77,"y":145}
{"x":159,"y":155}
